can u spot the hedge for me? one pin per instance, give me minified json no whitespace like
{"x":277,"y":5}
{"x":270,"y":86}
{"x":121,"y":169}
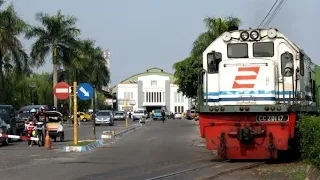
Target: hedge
{"x":309,"y":132}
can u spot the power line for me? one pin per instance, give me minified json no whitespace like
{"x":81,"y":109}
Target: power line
{"x":268,"y":13}
{"x":276,"y":12}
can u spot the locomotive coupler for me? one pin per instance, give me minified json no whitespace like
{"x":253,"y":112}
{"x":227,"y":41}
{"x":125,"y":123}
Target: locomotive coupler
{"x":247,"y":134}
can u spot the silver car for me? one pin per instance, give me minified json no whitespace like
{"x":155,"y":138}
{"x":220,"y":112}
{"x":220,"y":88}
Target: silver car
{"x":104,"y":117}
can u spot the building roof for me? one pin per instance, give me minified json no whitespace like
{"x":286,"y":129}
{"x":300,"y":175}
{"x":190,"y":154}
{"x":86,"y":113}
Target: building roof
{"x":152,"y":71}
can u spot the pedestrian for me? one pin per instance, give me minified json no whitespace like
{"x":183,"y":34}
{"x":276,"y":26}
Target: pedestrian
{"x":78,"y":118}
{"x":129,"y":114}
{"x":163,"y":114}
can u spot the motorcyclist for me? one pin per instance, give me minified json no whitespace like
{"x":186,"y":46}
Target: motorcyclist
{"x":33,"y":118}
{"x":42,"y":116}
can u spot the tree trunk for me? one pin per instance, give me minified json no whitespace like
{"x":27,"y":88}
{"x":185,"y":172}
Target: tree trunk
{"x":1,"y":80}
{"x":95,"y":96}
{"x":55,"y":81}
{"x":55,"y":73}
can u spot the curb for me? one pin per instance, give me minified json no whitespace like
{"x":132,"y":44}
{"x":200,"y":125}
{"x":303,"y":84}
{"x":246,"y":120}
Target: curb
{"x":99,"y":143}
{"x":129,"y":129}
{"x":86,"y":148}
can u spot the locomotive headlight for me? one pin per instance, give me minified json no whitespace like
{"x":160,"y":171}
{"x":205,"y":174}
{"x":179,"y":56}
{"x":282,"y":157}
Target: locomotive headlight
{"x":272,"y":33}
{"x":254,"y":35}
{"x":244,"y":35}
{"x":226,"y":36}
{"x":288,"y":72}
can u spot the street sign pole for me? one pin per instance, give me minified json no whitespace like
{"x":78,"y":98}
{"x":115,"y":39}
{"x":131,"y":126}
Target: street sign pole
{"x":94,"y":114}
{"x":126,"y":105}
{"x":75,"y":117}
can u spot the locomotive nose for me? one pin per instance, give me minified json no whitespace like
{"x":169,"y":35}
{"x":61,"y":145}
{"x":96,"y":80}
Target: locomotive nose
{"x":247,"y":82}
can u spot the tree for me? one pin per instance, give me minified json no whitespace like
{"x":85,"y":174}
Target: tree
{"x":57,"y":35}
{"x":11,"y":26}
{"x":187,"y":70}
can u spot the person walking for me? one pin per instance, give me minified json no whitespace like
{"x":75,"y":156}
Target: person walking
{"x":163,"y":114}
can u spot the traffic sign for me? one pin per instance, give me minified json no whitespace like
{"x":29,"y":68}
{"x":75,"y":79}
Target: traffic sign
{"x":62,"y":90}
{"x":85,"y":91}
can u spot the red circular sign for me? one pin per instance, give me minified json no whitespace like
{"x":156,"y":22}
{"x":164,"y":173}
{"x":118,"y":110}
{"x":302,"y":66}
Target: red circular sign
{"x":61,"y":90}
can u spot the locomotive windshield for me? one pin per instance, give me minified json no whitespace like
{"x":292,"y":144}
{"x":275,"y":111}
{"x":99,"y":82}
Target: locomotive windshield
{"x":263,"y":49}
{"x":238,"y":50}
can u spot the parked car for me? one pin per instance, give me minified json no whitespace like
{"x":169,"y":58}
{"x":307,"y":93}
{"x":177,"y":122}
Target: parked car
{"x":104,"y":117}
{"x":8,"y":116}
{"x":188,"y":115}
{"x":138,"y":114}
{"x":4,"y":128}
{"x":119,"y":115}
{"x":83,"y":116}
{"x":177,"y":115}
{"x":157,"y":114}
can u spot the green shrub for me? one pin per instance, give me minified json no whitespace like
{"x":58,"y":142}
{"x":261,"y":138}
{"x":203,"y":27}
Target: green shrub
{"x":309,"y":130}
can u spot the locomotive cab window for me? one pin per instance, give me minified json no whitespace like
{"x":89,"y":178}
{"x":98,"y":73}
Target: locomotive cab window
{"x":287,"y":64}
{"x":263,"y":49}
{"x":238,"y":50}
{"x":213,"y":60}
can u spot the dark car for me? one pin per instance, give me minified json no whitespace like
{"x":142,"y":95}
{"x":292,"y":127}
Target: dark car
{"x":8,"y":116}
{"x":188,"y":115}
{"x":4,"y":128}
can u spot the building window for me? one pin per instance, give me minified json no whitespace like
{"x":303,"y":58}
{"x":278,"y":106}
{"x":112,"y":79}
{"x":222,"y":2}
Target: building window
{"x":128,"y":95}
{"x":153,"y":83}
{"x":178,"y":98}
{"x":160,"y":97}
{"x":179,"y":109}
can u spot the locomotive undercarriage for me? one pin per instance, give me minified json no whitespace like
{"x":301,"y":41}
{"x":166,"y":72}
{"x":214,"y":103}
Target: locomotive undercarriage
{"x":238,"y":135}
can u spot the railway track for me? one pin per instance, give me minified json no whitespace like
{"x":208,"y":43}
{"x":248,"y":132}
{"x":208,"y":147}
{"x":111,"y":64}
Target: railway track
{"x":175,"y":175}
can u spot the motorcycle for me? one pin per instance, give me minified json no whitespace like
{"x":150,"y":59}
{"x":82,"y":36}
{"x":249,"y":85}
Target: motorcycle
{"x":40,"y":133}
{"x":30,"y":131}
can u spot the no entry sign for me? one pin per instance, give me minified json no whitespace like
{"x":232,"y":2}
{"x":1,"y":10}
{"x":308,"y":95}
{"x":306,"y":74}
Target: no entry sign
{"x":61,"y":90}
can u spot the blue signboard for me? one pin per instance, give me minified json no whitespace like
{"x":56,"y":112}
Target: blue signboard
{"x":84,"y":91}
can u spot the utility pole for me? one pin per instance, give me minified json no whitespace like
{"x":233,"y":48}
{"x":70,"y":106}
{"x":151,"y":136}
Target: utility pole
{"x":94,"y":113}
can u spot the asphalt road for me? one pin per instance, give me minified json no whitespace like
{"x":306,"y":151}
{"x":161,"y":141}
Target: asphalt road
{"x":153,"y":150}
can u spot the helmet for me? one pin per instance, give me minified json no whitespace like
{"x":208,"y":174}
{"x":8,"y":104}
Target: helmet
{"x":42,"y":108}
{"x":33,"y":111}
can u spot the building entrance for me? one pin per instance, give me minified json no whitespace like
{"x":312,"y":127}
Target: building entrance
{"x":150,"y":108}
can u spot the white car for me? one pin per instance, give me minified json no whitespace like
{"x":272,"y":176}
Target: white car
{"x":177,"y":115}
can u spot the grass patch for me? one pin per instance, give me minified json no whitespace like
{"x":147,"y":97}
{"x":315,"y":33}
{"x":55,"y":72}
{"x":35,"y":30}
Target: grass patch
{"x":81,"y":143}
{"x":283,"y":171}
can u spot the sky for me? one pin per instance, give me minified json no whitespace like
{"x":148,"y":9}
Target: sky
{"x":142,"y":34}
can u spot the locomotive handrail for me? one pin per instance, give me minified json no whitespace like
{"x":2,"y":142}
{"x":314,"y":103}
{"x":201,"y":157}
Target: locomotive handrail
{"x":200,"y":91}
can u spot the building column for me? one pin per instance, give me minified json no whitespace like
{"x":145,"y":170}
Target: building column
{"x":140,"y":94}
{"x":167,"y":95}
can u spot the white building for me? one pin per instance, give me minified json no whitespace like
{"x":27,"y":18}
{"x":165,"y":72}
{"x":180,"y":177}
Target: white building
{"x":153,"y":89}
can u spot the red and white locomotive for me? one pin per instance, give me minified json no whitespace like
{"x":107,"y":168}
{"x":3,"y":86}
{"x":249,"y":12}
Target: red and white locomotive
{"x":255,"y":83}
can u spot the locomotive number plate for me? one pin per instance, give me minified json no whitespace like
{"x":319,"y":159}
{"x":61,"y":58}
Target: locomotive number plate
{"x":272,"y":118}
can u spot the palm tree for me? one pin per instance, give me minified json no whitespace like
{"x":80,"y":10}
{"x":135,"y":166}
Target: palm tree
{"x":215,"y":28}
{"x":11,"y":26}
{"x":187,"y":70}
{"x":57,"y":35}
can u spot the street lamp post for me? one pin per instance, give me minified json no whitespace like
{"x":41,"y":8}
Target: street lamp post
{"x":94,"y":113}
{"x":32,"y":86}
